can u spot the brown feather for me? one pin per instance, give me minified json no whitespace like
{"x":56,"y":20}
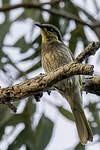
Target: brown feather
{"x":54,"y":55}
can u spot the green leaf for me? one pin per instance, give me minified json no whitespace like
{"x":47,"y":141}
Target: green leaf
{"x":79,"y":146}
{"x":76,"y":35}
{"x":34,"y":67}
{"x":36,"y":54}
{"x":43,"y":133}
{"x":21,"y":43}
{"x":73,"y":40}
{"x":34,"y":14}
{"x":89,"y":16}
{"x":25,"y":1}
{"x":4,"y":3}
{"x":7,"y":118}
{"x":30,"y":108}
{"x":96,"y":130}
{"x":25,"y":137}
{"x":83,"y":36}
{"x":4,"y":29}
{"x":10,"y":119}
{"x":66,"y":113}
{"x":4,"y":117}
{"x":18,"y":142}
{"x":64,"y":27}
{"x":70,"y":7}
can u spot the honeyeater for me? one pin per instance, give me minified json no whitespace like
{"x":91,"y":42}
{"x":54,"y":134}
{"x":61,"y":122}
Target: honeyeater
{"x":54,"y":55}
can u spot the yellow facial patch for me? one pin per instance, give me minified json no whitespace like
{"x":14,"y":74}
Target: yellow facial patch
{"x":43,"y":33}
{"x":48,"y":36}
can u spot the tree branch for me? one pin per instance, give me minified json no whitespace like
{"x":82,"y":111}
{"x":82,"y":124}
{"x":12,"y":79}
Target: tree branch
{"x":89,"y":50}
{"x":39,"y":6}
{"x":92,"y":85}
{"x":42,"y":83}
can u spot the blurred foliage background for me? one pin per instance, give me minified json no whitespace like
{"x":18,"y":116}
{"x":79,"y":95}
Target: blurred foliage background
{"x":31,"y":128}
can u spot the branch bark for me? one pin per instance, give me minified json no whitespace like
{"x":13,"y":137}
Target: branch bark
{"x":88,"y":51}
{"x":42,"y":83}
{"x":92,"y":85}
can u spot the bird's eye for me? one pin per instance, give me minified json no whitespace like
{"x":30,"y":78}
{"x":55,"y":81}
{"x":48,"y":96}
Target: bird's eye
{"x":51,"y":30}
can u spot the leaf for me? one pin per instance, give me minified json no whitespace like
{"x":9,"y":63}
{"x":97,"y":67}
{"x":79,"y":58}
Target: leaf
{"x":25,"y":137}
{"x":25,"y":1}
{"x":64,"y":27}
{"x":18,"y":142}
{"x":36,"y":54}
{"x":66,"y":113}
{"x":79,"y":146}
{"x":70,"y":7}
{"x":83,"y":36}
{"x":89,"y":16}
{"x":4,"y":3}
{"x":21,"y":43}
{"x":32,"y":13}
{"x":76,"y":35}
{"x":73,"y":40}
{"x":54,"y":19}
{"x":7,"y":118}
{"x":30,"y":108}
{"x":5,"y":115}
{"x":43,"y":133}
{"x":10,"y":119}
{"x":4,"y":29}
{"x":37,"y":40}
{"x":33,"y":68}
{"x":96,"y":117}
{"x":35,"y":140}
{"x":96,"y":130}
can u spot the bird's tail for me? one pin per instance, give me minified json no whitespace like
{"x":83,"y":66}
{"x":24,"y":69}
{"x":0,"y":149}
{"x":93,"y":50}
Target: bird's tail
{"x":72,"y":95}
{"x":83,"y":127}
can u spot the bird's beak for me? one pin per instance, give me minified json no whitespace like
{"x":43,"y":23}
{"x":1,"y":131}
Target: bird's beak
{"x":43,"y":32}
{"x":39,"y":25}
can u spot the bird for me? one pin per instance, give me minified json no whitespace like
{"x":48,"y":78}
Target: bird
{"x":54,"y":55}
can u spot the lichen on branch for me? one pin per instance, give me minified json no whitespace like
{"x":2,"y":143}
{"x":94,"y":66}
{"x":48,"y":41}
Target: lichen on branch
{"x":92,"y":85}
{"x":43,"y":82}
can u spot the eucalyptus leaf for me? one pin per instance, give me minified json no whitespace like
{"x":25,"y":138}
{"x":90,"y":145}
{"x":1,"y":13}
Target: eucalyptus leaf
{"x":25,"y":137}
{"x":43,"y":133}
{"x":4,"y":29}
{"x":21,"y":43}
{"x":66,"y":113}
{"x":34,"y":67}
{"x":73,"y":40}
{"x":80,"y":147}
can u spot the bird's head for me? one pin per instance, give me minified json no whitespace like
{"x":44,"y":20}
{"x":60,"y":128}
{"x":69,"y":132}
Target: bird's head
{"x":49,"y":33}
